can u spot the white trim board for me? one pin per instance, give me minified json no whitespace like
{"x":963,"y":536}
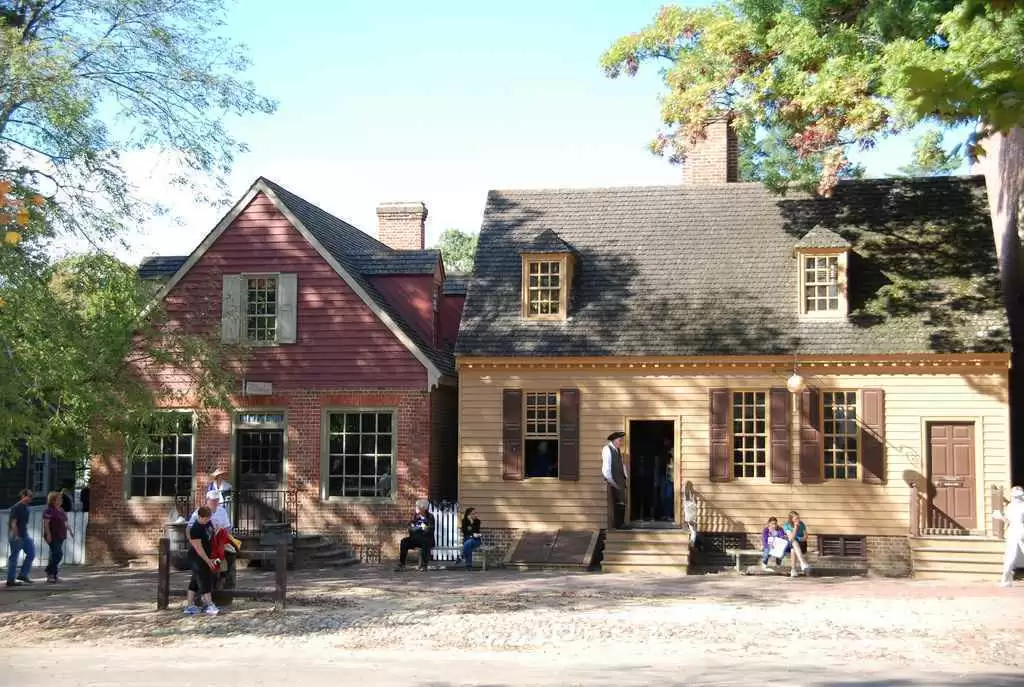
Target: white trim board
{"x":434,"y":375}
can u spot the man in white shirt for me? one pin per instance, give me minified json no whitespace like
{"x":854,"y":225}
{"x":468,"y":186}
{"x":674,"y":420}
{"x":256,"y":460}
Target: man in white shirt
{"x":219,"y":518}
{"x":613,"y":468}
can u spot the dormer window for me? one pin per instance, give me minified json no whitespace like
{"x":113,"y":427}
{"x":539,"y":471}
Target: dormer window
{"x":547,"y":277}
{"x":822,"y":256}
{"x":821,"y":283}
{"x":544,"y":287}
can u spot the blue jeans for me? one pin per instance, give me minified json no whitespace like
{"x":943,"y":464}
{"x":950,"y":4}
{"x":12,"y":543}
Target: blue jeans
{"x":56,"y":556}
{"x":468,"y":547}
{"x":17,"y":546}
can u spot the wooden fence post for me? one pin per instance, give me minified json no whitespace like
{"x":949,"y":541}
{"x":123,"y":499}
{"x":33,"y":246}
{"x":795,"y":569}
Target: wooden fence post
{"x":997,"y":505}
{"x":163,"y":582}
{"x":915,"y":511}
{"x":281,"y":576}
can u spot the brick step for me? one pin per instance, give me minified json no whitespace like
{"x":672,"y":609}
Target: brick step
{"x":956,"y":575}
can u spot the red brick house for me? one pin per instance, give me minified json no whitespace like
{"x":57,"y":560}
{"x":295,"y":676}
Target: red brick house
{"x":346,"y":410}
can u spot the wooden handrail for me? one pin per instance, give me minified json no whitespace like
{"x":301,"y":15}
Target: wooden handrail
{"x":915,"y":511}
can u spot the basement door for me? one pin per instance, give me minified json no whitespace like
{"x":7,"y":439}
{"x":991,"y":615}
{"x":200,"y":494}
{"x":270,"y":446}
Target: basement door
{"x":951,"y":475}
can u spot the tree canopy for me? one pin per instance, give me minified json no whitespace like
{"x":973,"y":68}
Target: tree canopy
{"x":457,"y":250}
{"x":831,"y":75}
{"x":82,"y":82}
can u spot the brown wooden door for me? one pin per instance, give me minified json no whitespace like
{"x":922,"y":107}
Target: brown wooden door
{"x":951,"y":472}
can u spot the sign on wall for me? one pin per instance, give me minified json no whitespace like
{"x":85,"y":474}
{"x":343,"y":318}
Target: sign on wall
{"x":258,"y":388}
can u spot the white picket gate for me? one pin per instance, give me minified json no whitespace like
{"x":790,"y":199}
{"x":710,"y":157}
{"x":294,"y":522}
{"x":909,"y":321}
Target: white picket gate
{"x":447,"y":531}
{"x":74,"y":547}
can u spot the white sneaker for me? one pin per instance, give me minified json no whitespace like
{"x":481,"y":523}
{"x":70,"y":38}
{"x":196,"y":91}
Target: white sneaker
{"x":794,"y":573}
{"x":805,"y":567}
{"x":764,"y":566}
{"x":211,"y":610}
{"x":1005,"y":583}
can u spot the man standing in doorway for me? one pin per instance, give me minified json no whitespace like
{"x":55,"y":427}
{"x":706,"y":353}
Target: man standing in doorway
{"x":614,"y":471}
{"x":19,"y":541}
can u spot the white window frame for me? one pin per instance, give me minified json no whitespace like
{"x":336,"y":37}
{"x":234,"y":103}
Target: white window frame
{"x":842,"y":262}
{"x":856,"y":435}
{"x":130,"y":462}
{"x":767,"y":434}
{"x":545,"y":435}
{"x":244,"y":333}
{"x":325,"y":454}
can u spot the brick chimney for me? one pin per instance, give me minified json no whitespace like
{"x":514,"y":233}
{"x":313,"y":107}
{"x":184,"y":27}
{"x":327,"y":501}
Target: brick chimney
{"x":715,"y":159}
{"x":402,"y":226}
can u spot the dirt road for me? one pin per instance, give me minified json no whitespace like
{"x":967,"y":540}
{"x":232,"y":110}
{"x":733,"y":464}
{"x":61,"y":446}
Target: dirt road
{"x":266,"y":664}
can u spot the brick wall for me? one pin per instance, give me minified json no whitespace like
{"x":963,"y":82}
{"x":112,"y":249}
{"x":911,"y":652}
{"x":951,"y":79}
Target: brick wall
{"x":888,"y":556}
{"x":121,"y":529}
{"x":500,"y":539}
{"x":402,"y":225}
{"x":713,"y":159}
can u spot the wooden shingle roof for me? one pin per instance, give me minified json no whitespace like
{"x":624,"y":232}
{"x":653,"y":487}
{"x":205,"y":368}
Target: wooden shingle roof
{"x":680,"y":271}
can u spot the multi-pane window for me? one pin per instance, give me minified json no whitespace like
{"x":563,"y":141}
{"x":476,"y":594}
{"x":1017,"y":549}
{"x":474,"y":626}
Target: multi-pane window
{"x":261,"y":309}
{"x":541,"y":436}
{"x":749,"y":433}
{"x":840,"y":434}
{"x":163,"y":465}
{"x":821,"y":283}
{"x":360,"y":453}
{"x":544,"y":288}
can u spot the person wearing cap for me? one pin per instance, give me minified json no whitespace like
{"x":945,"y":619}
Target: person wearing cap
{"x":614,"y":471}
{"x":219,"y":525}
{"x":1013,"y":516}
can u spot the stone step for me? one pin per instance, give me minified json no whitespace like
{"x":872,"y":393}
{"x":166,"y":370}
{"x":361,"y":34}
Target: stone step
{"x":642,"y":568}
{"x":668,"y":548}
{"x":329,"y":551}
{"x":338,"y":561}
{"x":635,"y":558}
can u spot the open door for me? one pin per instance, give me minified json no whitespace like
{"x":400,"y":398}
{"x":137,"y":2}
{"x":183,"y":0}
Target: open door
{"x":652,"y":457}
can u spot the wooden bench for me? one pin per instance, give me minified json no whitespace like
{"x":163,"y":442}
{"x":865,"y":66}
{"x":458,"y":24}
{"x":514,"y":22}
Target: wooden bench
{"x":739,"y":554}
{"x":480,"y":553}
{"x":278,"y":594}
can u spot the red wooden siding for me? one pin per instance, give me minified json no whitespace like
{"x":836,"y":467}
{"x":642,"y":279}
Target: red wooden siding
{"x":412,"y":297}
{"x":340,"y":342}
{"x":451,"y":316}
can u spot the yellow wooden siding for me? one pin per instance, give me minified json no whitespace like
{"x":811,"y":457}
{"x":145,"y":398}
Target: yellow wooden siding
{"x":608,"y":398}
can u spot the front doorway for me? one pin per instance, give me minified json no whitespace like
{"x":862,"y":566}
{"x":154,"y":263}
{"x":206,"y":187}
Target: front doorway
{"x":652,"y":469}
{"x":951,"y":476}
{"x":260,"y":495}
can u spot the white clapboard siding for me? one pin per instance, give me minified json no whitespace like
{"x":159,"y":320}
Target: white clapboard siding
{"x":74,"y":547}
{"x":447,"y":531}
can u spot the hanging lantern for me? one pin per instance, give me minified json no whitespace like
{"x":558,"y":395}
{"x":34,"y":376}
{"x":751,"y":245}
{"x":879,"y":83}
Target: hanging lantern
{"x":795,"y":383}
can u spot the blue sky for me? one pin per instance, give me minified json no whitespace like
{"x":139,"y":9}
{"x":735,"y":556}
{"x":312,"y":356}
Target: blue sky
{"x":439,"y":102}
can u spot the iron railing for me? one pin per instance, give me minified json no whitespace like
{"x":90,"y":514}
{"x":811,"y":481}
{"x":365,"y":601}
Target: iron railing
{"x":250,"y":509}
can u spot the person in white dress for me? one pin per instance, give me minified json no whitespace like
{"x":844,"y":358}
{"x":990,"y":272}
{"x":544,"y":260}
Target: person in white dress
{"x":1013,"y":517}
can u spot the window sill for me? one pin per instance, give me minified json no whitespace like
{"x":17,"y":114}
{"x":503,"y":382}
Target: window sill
{"x":146,"y":500}
{"x":541,"y":479}
{"x":359,"y":500}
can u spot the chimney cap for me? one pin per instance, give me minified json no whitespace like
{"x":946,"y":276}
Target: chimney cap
{"x":412,"y":207}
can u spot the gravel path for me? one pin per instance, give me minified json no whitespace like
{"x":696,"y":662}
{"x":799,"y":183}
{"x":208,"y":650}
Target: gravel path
{"x":896,"y":625}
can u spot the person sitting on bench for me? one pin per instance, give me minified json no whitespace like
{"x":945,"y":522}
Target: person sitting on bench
{"x":421,"y":536}
{"x":471,"y":540}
